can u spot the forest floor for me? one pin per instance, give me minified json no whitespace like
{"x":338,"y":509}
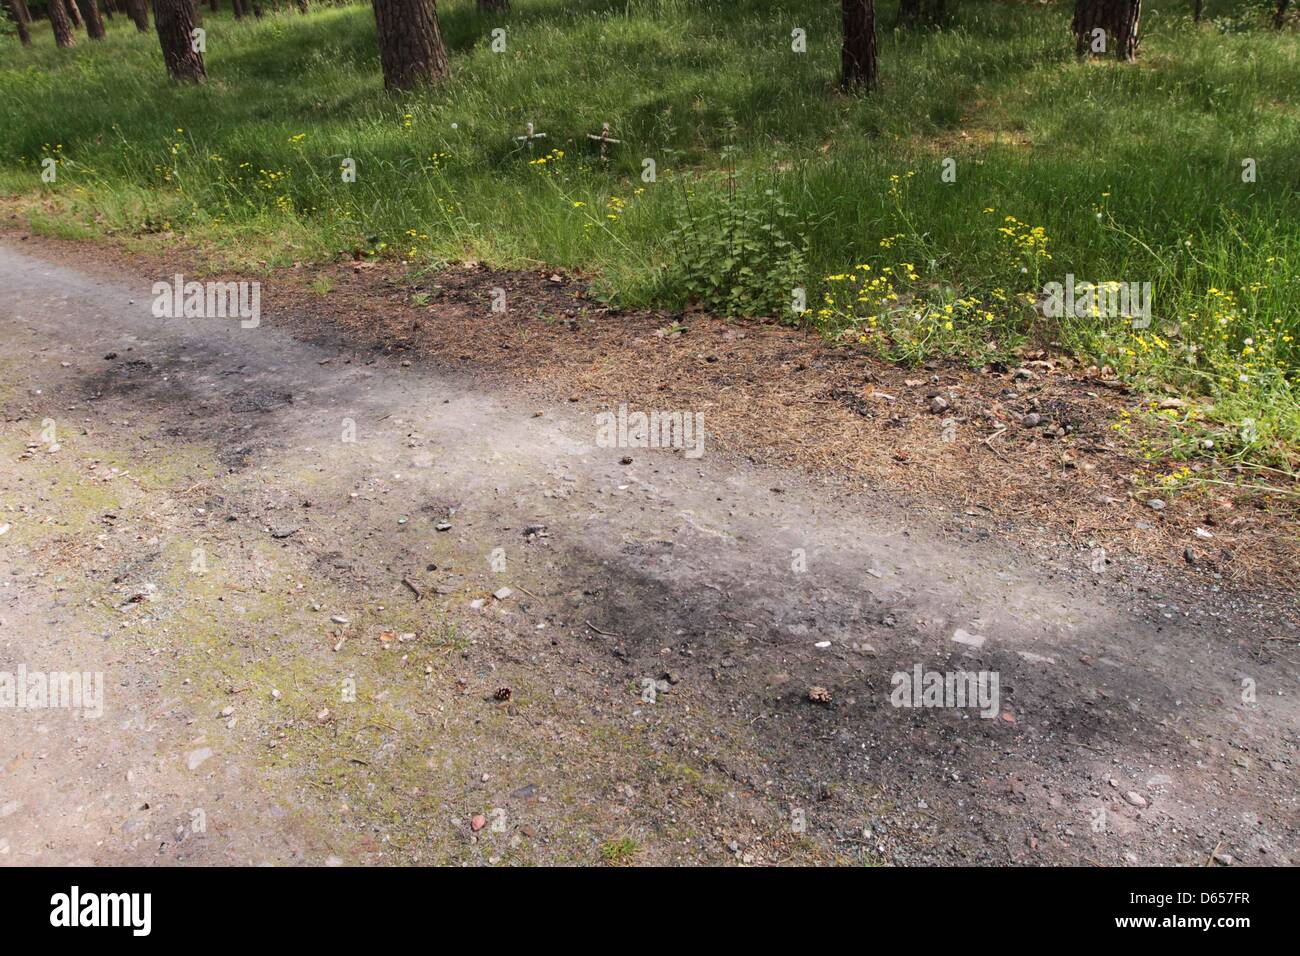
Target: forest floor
{"x":474,"y":635}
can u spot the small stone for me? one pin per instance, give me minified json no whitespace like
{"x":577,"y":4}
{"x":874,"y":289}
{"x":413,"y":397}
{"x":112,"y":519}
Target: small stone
{"x":339,"y":619}
{"x":502,"y":593}
{"x":1156,"y":504}
{"x":477,"y":822}
{"x":195,"y":758}
{"x":1135,"y":798}
{"x":938,"y":404}
{"x":1032,"y":420}
{"x":970,"y":640}
{"x":1224,"y":859}
{"x":227,"y":711}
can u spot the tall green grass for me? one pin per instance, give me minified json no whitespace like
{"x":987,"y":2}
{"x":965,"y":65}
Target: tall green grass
{"x":1133,"y":171}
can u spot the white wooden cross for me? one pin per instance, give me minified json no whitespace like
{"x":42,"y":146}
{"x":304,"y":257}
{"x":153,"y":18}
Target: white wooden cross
{"x":529,"y":136}
{"x":603,"y":138}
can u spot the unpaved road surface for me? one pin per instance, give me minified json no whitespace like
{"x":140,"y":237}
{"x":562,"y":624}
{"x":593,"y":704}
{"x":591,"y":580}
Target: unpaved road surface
{"x":282,"y":556}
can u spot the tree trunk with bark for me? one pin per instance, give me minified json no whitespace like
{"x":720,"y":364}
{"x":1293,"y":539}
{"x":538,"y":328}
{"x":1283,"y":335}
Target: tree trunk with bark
{"x":1196,"y":12}
{"x":493,"y":6}
{"x":175,"y":20}
{"x":94,"y":22}
{"x":1117,"y":18}
{"x":18,"y":10}
{"x":58,"y":14}
{"x":139,"y":13}
{"x":858,"y":54}
{"x":74,"y":14}
{"x":1279,"y":18}
{"x":238,"y":7}
{"x":302,"y":7}
{"x":410,"y":43}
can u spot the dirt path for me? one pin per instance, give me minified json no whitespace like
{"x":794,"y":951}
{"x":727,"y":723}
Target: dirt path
{"x":283,"y":558}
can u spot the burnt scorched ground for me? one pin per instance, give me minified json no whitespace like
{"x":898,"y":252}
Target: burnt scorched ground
{"x":498,"y":591}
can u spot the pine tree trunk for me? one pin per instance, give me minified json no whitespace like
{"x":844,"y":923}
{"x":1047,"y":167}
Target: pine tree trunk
{"x":74,"y":14}
{"x":108,"y":10}
{"x":19,"y":13}
{"x":858,"y":54}
{"x":909,"y":13}
{"x":1118,"y":18}
{"x":94,"y":22}
{"x":302,"y":6}
{"x":1196,"y":13}
{"x":58,"y":14}
{"x":1129,"y":15}
{"x":212,"y":5}
{"x":257,"y":9}
{"x":238,"y":7}
{"x":493,"y":6}
{"x":1280,"y":17}
{"x":174,"y":19}
{"x":139,"y":12}
{"x":410,"y":43}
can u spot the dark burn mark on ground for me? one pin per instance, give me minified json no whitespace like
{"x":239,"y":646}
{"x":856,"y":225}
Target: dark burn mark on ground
{"x":175,"y":387}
